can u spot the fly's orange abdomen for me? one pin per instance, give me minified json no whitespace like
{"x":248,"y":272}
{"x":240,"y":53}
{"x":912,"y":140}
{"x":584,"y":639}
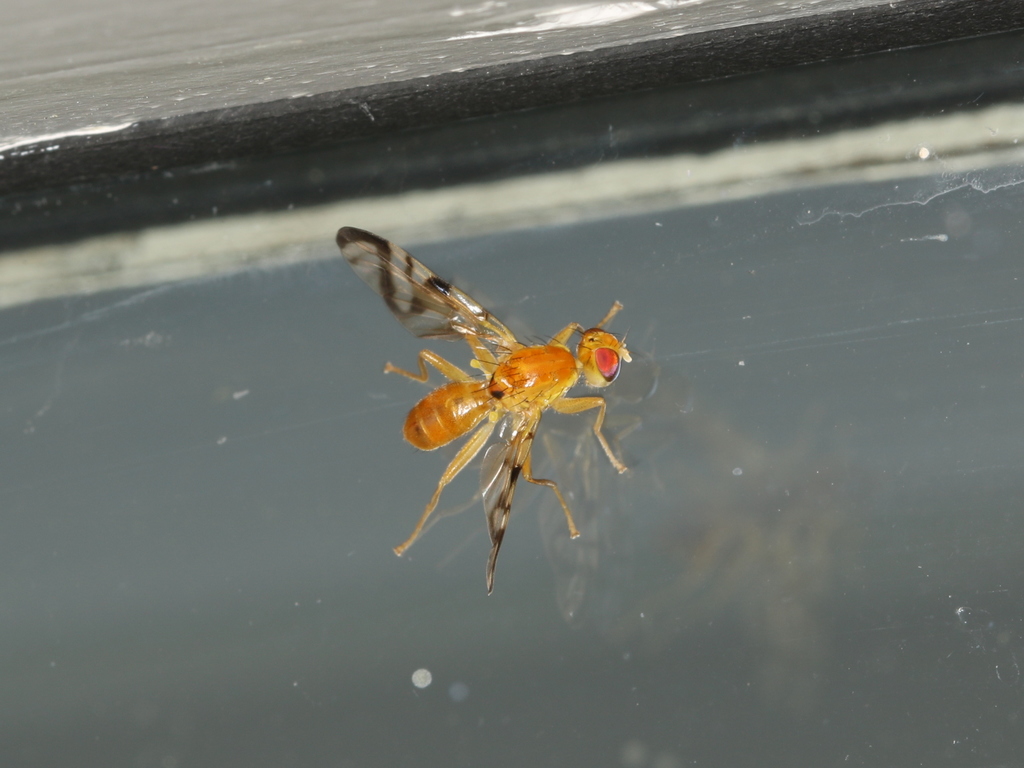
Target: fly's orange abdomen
{"x":532,"y":374}
{"x":446,"y":414}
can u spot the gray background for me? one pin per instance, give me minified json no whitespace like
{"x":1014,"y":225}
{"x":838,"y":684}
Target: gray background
{"x":815,"y":558}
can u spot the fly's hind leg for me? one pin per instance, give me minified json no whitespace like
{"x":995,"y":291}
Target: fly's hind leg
{"x":528,"y":477}
{"x":580,"y":404}
{"x":465,"y":455}
{"x":448,"y":370}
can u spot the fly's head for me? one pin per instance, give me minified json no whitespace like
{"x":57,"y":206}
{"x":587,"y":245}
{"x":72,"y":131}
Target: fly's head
{"x":601,"y":354}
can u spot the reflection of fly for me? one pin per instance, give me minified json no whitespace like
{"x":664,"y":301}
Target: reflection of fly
{"x":522,"y":381}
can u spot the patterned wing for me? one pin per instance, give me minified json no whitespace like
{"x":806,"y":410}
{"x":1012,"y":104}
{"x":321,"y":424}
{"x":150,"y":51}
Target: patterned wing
{"x":426,"y":305}
{"x":502,"y":465}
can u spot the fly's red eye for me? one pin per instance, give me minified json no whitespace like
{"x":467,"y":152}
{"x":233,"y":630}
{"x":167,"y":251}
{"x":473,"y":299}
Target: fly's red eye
{"x":607,"y":362}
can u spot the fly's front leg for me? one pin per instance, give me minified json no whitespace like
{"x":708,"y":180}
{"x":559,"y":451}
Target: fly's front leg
{"x":580,"y":404}
{"x":448,"y":370}
{"x":611,"y":313}
{"x":465,"y":455}
{"x":563,"y":336}
{"x":528,"y":476}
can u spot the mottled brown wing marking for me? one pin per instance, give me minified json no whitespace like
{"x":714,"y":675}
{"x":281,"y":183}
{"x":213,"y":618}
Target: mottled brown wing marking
{"x":393,"y":290}
{"x":402,"y":281}
{"x":428,"y":306}
{"x":438,"y":284}
{"x":502,"y":465}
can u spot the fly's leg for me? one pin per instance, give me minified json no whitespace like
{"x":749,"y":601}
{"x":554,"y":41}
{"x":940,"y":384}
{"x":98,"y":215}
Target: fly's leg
{"x":563,"y":336}
{"x":528,"y":477}
{"x":448,"y":370}
{"x":611,"y":313}
{"x":465,"y":455}
{"x":580,"y":404}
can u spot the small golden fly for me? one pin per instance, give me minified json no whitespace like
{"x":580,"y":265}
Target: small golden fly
{"x":518,"y":384}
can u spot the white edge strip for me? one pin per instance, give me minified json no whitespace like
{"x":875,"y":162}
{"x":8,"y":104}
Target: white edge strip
{"x":957,"y":144}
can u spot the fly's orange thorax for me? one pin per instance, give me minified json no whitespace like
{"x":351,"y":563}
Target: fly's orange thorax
{"x":446,"y":414}
{"x":534,"y":375}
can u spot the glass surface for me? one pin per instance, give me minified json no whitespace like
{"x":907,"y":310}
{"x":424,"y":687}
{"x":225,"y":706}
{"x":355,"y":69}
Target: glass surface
{"x":814,"y":559}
